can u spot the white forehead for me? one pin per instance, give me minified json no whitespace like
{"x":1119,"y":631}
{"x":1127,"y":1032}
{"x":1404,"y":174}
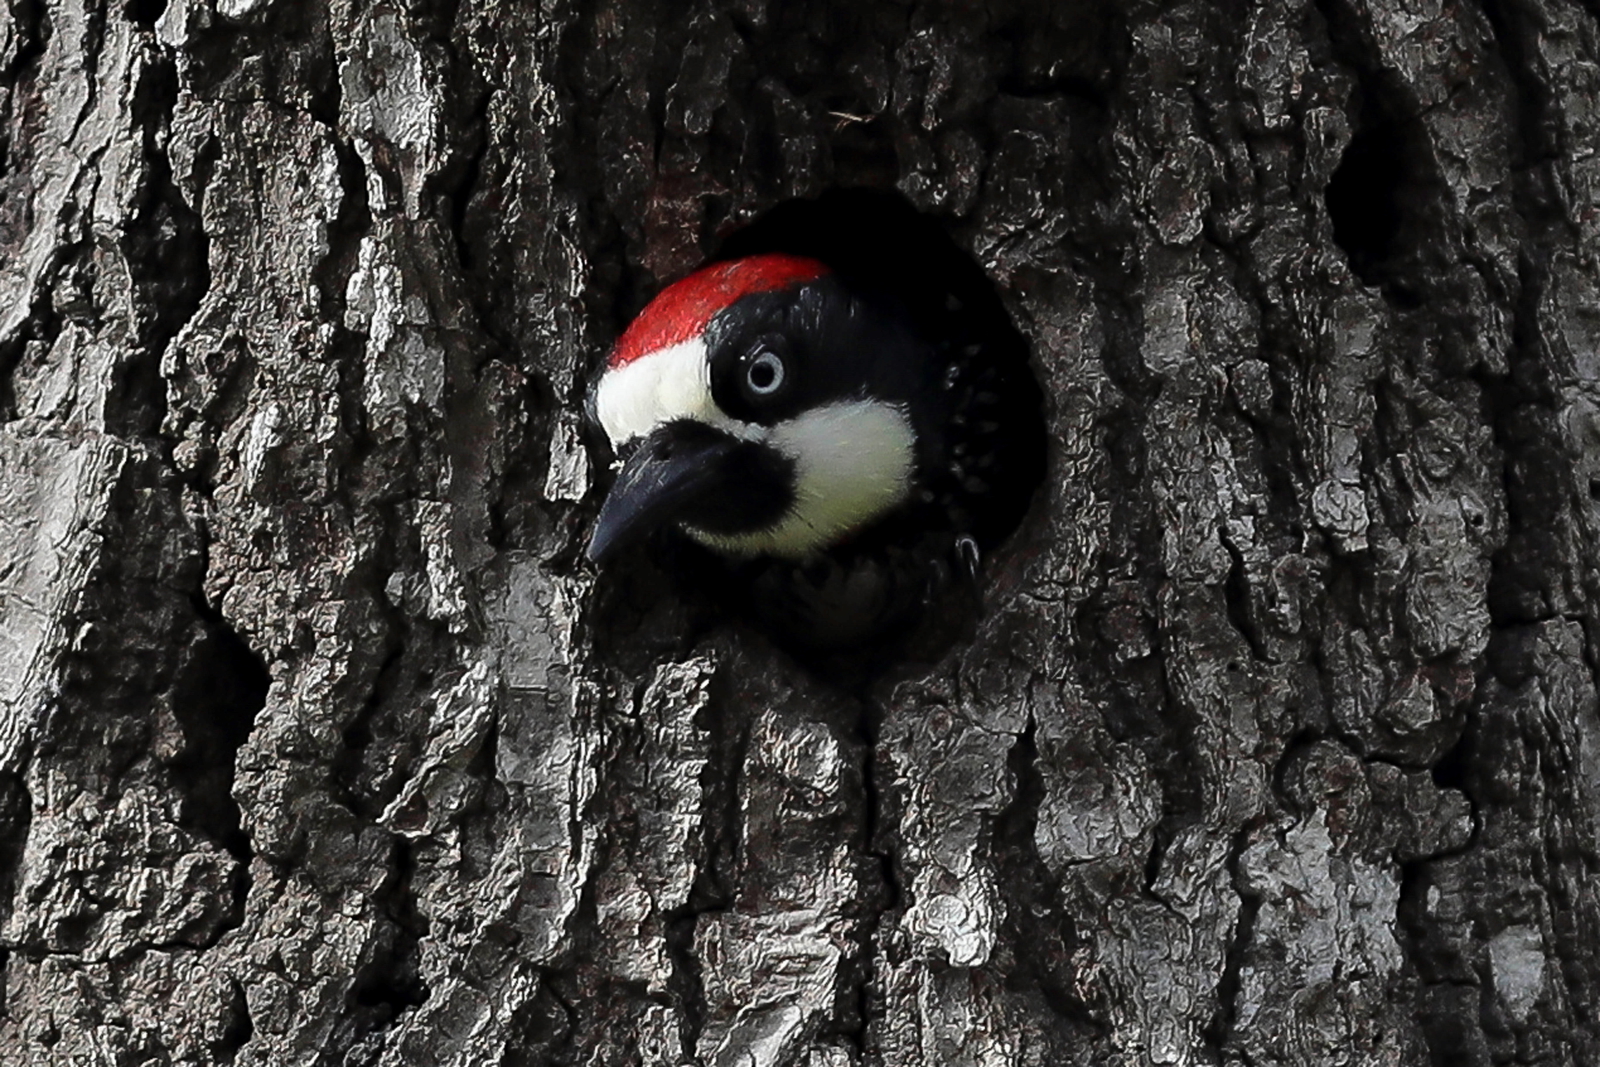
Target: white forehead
{"x":669,"y":383}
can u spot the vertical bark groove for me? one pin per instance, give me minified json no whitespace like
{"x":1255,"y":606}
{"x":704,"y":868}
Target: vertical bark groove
{"x":1277,"y":740}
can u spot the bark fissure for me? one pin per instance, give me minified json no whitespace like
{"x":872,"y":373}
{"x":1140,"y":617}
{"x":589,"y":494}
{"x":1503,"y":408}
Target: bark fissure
{"x":319,"y":742}
{"x":1219,"y":1034}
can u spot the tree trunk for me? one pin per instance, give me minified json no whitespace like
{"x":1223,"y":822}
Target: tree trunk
{"x":320,"y":744}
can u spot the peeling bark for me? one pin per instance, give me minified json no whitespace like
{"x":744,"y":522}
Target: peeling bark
{"x":1277,"y":741}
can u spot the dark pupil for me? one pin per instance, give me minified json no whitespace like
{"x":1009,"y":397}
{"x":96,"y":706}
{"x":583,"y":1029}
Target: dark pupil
{"x":762,"y":375}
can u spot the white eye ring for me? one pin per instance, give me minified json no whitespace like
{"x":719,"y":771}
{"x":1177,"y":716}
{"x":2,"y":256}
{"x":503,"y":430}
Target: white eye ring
{"x":765,"y":374}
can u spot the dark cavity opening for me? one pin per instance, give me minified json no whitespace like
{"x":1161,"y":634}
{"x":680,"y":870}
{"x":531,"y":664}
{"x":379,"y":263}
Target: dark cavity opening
{"x":146,"y":12}
{"x":1363,"y":199}
{"x":1383,"y":202}
{"x":883,"y":247}
{"x":216,"y":702}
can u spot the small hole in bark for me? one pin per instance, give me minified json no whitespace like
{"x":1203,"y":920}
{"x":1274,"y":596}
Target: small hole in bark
{"x":146,"y":12}
{"x":1594,"y":488}
{"x":1453,"y":770}
{"x":1382,"y":201}
{"x":391,"y":983}
{"x":216,"y":701}
{"x":1362,"y":198}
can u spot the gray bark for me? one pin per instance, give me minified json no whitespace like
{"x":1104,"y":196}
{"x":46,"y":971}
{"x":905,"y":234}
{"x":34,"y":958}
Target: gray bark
{"x":1277,"y":742}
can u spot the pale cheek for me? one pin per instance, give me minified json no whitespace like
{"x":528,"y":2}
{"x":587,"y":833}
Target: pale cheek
{"x":857,"y":455}
{"x":854,"y":463}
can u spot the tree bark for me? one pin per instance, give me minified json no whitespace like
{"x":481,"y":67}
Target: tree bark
{"x":1277,"y":741}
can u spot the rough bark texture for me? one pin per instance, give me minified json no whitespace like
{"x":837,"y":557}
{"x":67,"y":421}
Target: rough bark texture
{"x":1278,"y":740}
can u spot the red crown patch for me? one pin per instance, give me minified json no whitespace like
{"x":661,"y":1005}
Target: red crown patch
{"x":682,"y":309}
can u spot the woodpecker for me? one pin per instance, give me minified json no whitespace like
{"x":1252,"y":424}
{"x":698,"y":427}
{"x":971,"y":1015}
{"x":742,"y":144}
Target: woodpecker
{"x":843,"y":448}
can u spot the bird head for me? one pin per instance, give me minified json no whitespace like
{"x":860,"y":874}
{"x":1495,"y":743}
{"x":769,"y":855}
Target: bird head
{"x":764,"y":408}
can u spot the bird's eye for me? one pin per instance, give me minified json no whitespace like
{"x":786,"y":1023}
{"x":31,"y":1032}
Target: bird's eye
{"x":765,"y":373}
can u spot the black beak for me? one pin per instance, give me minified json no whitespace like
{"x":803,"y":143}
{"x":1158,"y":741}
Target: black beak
{"x":684,"y":471}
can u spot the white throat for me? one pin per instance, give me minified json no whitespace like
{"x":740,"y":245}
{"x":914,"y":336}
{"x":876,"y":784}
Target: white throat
{"x":853,"y":463}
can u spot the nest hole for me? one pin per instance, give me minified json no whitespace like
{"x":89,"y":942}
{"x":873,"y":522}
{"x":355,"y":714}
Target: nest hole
{"x":880,"y":244}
